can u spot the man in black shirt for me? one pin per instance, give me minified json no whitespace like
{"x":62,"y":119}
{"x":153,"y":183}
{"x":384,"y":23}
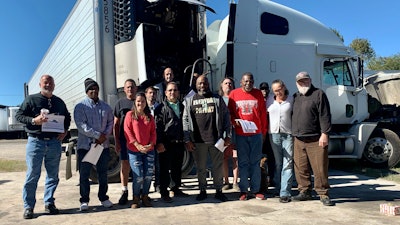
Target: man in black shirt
{"x":122,"y":106}
{"x":42,"y":146}
{"x":311,"y":122}
{"x":205,"y":119}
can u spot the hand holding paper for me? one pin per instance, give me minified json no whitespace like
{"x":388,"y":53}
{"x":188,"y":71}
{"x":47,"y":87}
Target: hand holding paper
{"x":94,"y":154}
{"x":247,"y":126}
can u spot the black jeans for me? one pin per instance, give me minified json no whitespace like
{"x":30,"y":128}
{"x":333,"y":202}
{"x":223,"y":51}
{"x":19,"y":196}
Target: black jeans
{"x":171,"y":159}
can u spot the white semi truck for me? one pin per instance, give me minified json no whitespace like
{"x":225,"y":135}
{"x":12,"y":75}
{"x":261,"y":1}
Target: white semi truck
{"x":112,"y":40}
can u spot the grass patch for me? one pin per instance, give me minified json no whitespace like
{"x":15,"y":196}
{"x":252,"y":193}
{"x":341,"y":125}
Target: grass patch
{"x":356,"y":167}
{"x":7,"y":165}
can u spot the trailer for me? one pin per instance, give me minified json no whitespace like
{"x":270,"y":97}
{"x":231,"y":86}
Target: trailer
{"x":10,"y":128}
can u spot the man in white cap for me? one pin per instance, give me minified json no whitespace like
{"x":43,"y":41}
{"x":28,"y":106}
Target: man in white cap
{"x":311,"y":122}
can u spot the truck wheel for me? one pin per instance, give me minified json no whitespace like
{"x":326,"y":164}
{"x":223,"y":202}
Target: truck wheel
{"x":382,"y":149}
{"x":114,"y":166}
{"x":188,"y":163}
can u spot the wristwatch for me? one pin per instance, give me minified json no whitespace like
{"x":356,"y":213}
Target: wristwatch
{"x":33,"y":121}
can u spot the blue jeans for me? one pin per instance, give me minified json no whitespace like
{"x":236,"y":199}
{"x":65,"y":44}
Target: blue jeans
{"x":36,"y":151}
{"x":142,"y":166}
{"x":282,"y":146}
{"x":249,"y":150}
{"x":84,"y":174}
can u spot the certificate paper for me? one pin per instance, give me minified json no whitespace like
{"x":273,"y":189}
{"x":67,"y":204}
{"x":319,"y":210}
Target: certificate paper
{"x":55,"y":123}
{"x":94,"y":154}
{"x":220,"y":145}
{"x":247,"y":126}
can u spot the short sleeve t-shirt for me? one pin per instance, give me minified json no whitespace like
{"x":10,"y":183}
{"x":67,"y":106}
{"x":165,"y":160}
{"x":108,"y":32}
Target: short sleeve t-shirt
{"x":123,"y":106}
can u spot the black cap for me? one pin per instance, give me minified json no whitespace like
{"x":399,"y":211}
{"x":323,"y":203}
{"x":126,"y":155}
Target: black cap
{"x":264,"y":85}
{"x":89,"y":83}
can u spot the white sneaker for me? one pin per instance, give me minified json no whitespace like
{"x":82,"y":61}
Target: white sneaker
{"x":84,"y":206}
{"x":107,"y":203}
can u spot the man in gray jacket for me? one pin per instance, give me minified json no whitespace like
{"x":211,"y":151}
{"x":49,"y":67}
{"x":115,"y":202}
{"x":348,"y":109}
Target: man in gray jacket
{"x":205,"y":119}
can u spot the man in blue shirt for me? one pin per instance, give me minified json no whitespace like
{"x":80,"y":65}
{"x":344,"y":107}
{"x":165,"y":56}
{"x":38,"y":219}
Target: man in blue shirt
{"x":94,"y":120}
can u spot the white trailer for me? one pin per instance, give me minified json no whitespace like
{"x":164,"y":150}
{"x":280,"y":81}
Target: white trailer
{"x":9,"y":126}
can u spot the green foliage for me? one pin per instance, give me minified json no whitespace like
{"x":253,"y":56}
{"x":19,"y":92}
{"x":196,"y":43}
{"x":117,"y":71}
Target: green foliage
{"x":337,"y":34}
{"x":7,"y":165}
{"x":385,"y":63}
{"x":363,"y":48}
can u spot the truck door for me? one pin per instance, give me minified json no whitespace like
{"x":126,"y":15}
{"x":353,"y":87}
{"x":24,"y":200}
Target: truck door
{"x":345,"y":100}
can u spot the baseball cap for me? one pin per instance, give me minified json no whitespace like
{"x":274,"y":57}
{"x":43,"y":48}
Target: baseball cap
{"x":302,"y":75}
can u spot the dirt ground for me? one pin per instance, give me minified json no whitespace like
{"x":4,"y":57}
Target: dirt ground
{"x":357,"y":201}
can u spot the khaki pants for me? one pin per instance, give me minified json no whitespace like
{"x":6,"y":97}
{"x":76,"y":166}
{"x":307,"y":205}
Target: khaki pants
{"x":309,"y":156}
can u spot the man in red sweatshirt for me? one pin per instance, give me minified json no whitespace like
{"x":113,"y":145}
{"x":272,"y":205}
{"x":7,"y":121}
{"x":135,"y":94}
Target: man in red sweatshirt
{"x":247,"y":103}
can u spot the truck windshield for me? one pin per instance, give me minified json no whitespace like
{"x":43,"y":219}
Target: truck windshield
{"x":337,"y":73}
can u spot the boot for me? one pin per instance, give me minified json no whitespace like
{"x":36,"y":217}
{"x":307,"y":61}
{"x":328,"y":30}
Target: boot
{"x":146,"y":201}
{"x":136,"y":202}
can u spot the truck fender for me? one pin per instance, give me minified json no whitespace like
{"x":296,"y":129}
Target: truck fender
{"x":362,"y":132}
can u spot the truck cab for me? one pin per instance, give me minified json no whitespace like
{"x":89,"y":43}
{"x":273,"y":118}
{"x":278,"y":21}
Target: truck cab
{"x":273,"y":41}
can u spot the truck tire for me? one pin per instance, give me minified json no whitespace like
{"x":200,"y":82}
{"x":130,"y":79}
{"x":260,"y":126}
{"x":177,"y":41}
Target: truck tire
{"x":382,"y":149}
{"x":114,"y":166}
{"x":188,"y":163}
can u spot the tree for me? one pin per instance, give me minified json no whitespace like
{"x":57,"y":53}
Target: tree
{"x":385,"y":63}
{"x":363,"y":48}
{"x":337,"y":34}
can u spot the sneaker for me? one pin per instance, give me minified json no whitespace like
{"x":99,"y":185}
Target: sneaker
{"x":227,"y":186}
{"x":259,"y":196}
{"x":166,"y":199}
{"x":28,"y":213}
{"x":51,"y":209}
{"x":136,"y":202}
{"x":157,"y":188}
{"x":326,"y":201}
{"x":179,"y":193}
{"x":243,"y":196}
{"x":107,"y":203}
{"x":84,"y":206}
{"x":202,"y":195}
{"x":124,"y":198}
{"x":146,"y":201}
{"x":302,"y":196}
{"x":236,"y":187}
{"x":285,"y":199}
{"x":220,"y":196}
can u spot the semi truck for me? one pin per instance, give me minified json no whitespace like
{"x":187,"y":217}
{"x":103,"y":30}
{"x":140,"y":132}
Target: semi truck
{"x":9,"y":126}
{"x":113,"y":40}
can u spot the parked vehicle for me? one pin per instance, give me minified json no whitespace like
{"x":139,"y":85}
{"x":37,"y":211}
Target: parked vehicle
{"x":9,"y":126}
{"x":110,"y":41}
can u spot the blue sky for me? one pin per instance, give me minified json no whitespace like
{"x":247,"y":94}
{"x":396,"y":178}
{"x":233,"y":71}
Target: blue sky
{"x":29,"y":27}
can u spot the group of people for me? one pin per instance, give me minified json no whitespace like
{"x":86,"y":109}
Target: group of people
{"x":152,"y":129}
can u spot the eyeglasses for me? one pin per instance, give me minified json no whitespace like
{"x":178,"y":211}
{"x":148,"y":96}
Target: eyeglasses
{"x":49,"y":103}
{"x":170,"y":90}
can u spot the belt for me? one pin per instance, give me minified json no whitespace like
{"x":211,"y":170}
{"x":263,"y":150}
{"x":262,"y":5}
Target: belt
{"x":309,"y":139}
{"x":42,"y":137}
{"x":176,"y":141}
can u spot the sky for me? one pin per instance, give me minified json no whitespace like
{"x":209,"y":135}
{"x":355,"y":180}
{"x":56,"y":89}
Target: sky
{"x":29,"y":27}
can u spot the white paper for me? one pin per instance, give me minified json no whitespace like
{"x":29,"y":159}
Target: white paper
{"x":220,"y":145}
{"x":55,"y":123}
{"x":247,"y":126}
{"x":94,"y":154}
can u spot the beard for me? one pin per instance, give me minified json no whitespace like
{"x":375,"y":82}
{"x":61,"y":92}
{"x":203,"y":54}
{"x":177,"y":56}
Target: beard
{"x":302,"y":90}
